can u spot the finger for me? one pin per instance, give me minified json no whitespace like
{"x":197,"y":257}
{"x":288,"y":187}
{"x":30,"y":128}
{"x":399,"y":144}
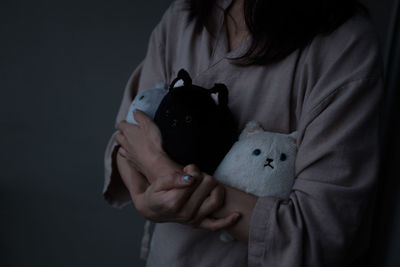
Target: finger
{"x":174,"y":180}
{"x":122,"y":125}
{"x":141,"y":117}
{"x":219,"y":224}
{"x":210,"y":205}
{"x":122,"y":152}
{"x":192,"y":169}
{"x":174,"y":191}
{"x":125,"y":126}
{"x":173,"y":199}
{"x":197,"y":198}
{"x":121,"y":139}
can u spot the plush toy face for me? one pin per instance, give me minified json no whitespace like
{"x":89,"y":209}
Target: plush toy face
{"x":146,"y":100}
{"x":260,"y":163}
{"x":181,"y":112}
{"x":194,"y":128}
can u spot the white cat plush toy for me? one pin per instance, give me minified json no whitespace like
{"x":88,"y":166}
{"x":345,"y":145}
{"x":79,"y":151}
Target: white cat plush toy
{"x":147,"y":101}
{"x":260,"y":163}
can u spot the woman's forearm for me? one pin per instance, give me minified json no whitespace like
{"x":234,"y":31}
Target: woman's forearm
{"x":159,"y":166}
{"x":235,"y":200}
{"x":238,"y":201}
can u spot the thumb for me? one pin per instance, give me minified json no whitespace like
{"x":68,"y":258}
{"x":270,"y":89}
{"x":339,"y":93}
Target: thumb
{"x":175,"y":180}
{"x":192,"y":170}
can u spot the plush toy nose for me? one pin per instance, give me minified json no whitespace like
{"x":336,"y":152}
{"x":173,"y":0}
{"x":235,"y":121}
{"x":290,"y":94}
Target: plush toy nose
{"x":269,"y":163}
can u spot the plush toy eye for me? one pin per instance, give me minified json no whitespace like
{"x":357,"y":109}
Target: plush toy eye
{"x":283,"y":157}
{"x":188,"y":119}
{"x":256,"y":152}
{"x":140,"y":98}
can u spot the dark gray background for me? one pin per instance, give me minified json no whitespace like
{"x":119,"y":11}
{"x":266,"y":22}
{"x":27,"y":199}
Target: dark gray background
{"x":63,"y":67}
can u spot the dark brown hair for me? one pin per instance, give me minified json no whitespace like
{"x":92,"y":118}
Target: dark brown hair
{"x":279,"y":27}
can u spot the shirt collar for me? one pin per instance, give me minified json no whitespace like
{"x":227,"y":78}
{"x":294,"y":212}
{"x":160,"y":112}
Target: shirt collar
{"x":224,"y":4}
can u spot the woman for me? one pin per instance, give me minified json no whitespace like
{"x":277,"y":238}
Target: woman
{"x":311,"y":66}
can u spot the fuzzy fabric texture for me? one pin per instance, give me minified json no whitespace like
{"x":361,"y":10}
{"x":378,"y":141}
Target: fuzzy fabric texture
{"x":146,"y":101}
{"x":195,"y":123}
{"x":260,"y":162}
{"x":195,"y":127}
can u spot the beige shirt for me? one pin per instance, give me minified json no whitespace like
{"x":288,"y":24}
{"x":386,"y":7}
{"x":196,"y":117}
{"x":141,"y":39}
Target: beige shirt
{"x":329,"y":92}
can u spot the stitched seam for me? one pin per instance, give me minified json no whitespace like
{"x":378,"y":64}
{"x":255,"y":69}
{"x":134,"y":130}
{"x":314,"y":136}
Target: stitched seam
{"x":331,"y":94}
{"x":316,"y":108}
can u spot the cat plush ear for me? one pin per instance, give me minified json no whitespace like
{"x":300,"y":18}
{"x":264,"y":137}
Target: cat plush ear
{"x":184,"y":76}
{"x":251,"y":128}
{"x":220,"y":94}
{"x":161,"y":85}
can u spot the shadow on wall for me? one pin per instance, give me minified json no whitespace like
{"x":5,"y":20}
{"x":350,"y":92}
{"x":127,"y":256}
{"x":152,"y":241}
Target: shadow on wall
{"x":386,"y":229}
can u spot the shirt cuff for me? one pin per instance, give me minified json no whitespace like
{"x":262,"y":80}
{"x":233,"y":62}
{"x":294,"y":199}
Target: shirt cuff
{"x":114,"y":191}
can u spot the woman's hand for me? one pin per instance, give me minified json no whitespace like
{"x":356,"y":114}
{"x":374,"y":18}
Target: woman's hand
{"x":235,"y":201}
{"x":208,"y":198}
{"x":141,"y":145}
{"x":168,"y":194}
{"x":177,"y":197}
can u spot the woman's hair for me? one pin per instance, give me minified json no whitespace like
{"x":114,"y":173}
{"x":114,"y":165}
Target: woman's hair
{"x":279,"y":27}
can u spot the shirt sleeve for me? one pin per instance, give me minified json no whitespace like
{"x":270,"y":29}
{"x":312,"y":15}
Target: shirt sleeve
{"x":327,"y":218}
{"x":152,"y":71}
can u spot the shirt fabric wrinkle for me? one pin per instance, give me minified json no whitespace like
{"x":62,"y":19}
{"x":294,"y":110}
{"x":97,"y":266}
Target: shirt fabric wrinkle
{"x":307,"y":229}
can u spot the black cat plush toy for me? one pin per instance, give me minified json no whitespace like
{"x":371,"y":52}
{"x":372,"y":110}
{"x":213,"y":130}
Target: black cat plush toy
{"x":194,"y":128}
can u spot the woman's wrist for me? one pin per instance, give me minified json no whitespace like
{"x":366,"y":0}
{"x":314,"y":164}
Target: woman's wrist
{"x":241,"y":202}
{"x":159,"y":165}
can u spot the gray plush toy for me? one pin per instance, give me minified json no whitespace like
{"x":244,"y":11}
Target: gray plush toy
{"x":147,"y":101}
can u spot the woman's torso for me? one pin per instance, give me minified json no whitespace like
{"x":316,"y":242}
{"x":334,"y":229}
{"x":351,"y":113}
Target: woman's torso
{"x":275,"y":95}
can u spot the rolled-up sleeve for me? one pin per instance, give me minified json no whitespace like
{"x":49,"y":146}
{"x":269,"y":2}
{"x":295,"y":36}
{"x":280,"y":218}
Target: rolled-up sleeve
{"x":327,"y":218}
{"x":148,"y":74}
{"x":114,"y":191}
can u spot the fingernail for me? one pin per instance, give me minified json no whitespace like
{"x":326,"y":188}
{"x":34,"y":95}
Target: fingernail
{"x":187,"y":178}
